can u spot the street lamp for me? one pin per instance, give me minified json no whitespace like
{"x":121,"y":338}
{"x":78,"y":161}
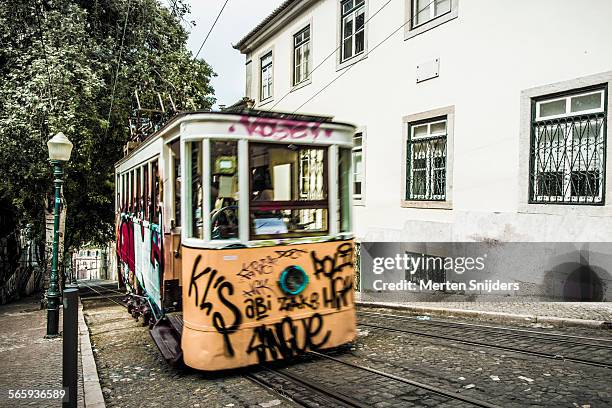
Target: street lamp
{"x":59,"y":151}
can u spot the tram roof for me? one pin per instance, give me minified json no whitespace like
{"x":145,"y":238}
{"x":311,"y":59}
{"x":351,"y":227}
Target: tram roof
{"x":234,"y":111}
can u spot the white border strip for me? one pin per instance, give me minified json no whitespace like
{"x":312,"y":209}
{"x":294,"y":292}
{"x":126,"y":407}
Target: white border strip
{"x":92,"y":393}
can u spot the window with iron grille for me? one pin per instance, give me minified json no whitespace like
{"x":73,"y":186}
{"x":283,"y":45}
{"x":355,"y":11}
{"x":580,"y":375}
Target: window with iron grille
{"x":266,"y":76}
{"x":568,"y":145}
{"x":358,"y":167}
{"x":427,"y":10}
{"x":352,"y":22}
{"x":301,"y":55}
{"x":426,"y":160}
{"x":430,"y":268}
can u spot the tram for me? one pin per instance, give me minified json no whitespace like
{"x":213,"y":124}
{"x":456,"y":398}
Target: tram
{"x":234,"y":236}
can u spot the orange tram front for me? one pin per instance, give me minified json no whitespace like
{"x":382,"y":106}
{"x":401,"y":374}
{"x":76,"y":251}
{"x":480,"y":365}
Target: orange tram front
{"x":234,"y":236}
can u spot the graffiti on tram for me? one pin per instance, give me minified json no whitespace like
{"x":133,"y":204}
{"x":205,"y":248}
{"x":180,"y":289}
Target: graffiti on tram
{"x":280,"y":129}
{"x":252,"y":294}
{"x":140,"y":250}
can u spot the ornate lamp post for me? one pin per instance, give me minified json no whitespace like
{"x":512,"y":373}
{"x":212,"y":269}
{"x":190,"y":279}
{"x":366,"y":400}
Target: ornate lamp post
{"x":59,"y":151}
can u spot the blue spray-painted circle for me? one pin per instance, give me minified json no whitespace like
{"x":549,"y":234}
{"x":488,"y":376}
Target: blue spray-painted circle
{"x":293,"y":280}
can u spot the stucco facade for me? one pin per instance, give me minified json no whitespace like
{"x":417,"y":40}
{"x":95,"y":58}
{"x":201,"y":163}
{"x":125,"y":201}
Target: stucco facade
{"x":490,"y":59}
{"x":493,"y":55}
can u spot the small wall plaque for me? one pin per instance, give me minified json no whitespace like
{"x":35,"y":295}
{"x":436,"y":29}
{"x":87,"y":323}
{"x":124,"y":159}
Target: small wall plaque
{"x":428,"y":70}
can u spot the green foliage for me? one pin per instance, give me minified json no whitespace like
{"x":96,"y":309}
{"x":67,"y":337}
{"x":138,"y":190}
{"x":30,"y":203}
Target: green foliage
{"x":69,"y":88}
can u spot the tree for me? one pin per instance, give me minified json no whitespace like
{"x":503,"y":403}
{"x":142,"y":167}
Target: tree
{"x":63,"y":64}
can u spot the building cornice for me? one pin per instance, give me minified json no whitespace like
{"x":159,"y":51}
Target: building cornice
{"x":274,"y":22}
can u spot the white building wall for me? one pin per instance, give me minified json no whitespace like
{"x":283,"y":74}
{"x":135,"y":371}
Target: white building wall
{"x":488,"y":55}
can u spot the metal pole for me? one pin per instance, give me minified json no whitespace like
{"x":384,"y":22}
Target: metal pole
{"x":53,"y":293}
{"x":72,"y":269}
{"x":70,"y":355}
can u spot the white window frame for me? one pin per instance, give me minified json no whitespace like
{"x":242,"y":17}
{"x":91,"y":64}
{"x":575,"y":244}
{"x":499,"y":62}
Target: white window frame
{"x":352,"y":15}
{"x":269,"y":70}
{"x":359,"y":199}
{"x":305,"y":62}
{"x":429,"y":170}
{"x":341,"y":61}
{"x":527,"y":114}
{"x":411,"y":9}
{"x":568,"y":105}
{"x":429,"y":117}
{"x":568,"y":168}
{"x":433,"y":11}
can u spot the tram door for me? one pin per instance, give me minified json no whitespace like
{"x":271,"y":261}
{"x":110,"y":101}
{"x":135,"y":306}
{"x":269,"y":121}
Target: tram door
{"x":172,"y":281}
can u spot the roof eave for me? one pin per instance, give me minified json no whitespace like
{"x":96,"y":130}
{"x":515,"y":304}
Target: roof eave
{"x":271,"y":24}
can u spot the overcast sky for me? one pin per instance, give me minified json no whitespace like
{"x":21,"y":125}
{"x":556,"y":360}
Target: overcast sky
{"x":237,"y":19}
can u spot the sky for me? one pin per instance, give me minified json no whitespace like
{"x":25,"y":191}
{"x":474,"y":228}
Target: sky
{"x":238,"y":18}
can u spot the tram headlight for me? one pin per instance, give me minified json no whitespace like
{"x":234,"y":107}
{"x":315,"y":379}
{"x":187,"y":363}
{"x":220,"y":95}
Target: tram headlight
{"x":293,"y":280}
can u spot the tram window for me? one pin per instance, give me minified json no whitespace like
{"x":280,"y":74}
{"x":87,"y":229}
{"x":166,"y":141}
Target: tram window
{"x":176,"y":172}
{"x":344,"y":196}
{"x":138,"y":190}
{"x":145,"y":195}
{"x":122,"y":202}
{"x":155,"y":192}
{"x":224,"y":189}
{"x":117,"y":191}
{"x":124,"y":189}
{"x":134,"y":191}
{"x":196,"y":190}
{"x":131,"y":191}
{"x":288,"y":194}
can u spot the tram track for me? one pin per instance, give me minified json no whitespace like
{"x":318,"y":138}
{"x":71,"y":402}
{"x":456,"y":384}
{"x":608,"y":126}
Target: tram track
{"x":101,"y":295}
{"x":306,"y":385}
{"x":565,"y":338}
{"x":309,"y":392}
{"x":436,"y":390}
{"x":321,"y":394}
{"x":462,"y":335}
{"x":318,"y":394}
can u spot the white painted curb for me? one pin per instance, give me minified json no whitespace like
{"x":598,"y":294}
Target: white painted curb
{"x":497,"y":316}
{"x":91,"y":383}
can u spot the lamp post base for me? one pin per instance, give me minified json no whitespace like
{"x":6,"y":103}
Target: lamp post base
{"x":52,"y":323}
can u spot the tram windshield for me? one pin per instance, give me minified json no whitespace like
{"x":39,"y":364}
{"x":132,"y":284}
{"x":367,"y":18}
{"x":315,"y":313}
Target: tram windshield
{"x":238,"y":191}
{"x":288,"y":190}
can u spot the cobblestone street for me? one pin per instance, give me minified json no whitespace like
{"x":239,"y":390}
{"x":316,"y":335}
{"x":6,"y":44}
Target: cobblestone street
{"x":28,"y":361}
{"x":133,"y":373}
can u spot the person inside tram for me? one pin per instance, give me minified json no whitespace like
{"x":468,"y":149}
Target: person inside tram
{"x":262,"y":186}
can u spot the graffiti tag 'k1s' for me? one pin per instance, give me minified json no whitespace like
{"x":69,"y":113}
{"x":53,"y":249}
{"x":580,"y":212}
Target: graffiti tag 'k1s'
{"x":224,"y":290}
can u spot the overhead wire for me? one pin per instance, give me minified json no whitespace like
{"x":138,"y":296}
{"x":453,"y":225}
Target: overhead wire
{"x":347,"y":69}
{"x":333,"y":52}
{"x":44,"y":50}
{"x":211,"y":28}
{"x":110,"y":109}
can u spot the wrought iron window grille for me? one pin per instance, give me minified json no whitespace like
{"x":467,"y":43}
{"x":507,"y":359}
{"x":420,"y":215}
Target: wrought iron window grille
{"x":567,"y":156}
{"x":426,"y":161}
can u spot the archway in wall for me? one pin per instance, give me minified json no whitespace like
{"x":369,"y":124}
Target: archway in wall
{"x":583,"y":285}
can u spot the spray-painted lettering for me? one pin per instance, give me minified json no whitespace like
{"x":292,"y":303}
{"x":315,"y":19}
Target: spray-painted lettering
{"x":257,"y":287}
{"x":264,"y":266}
{"x":287,"y":338}
{"x":339,"y":292}
{"x":224,"y":290}
{"x":299,"y":302}
{"x":280,"y":129}
{"x":257,"y":308}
